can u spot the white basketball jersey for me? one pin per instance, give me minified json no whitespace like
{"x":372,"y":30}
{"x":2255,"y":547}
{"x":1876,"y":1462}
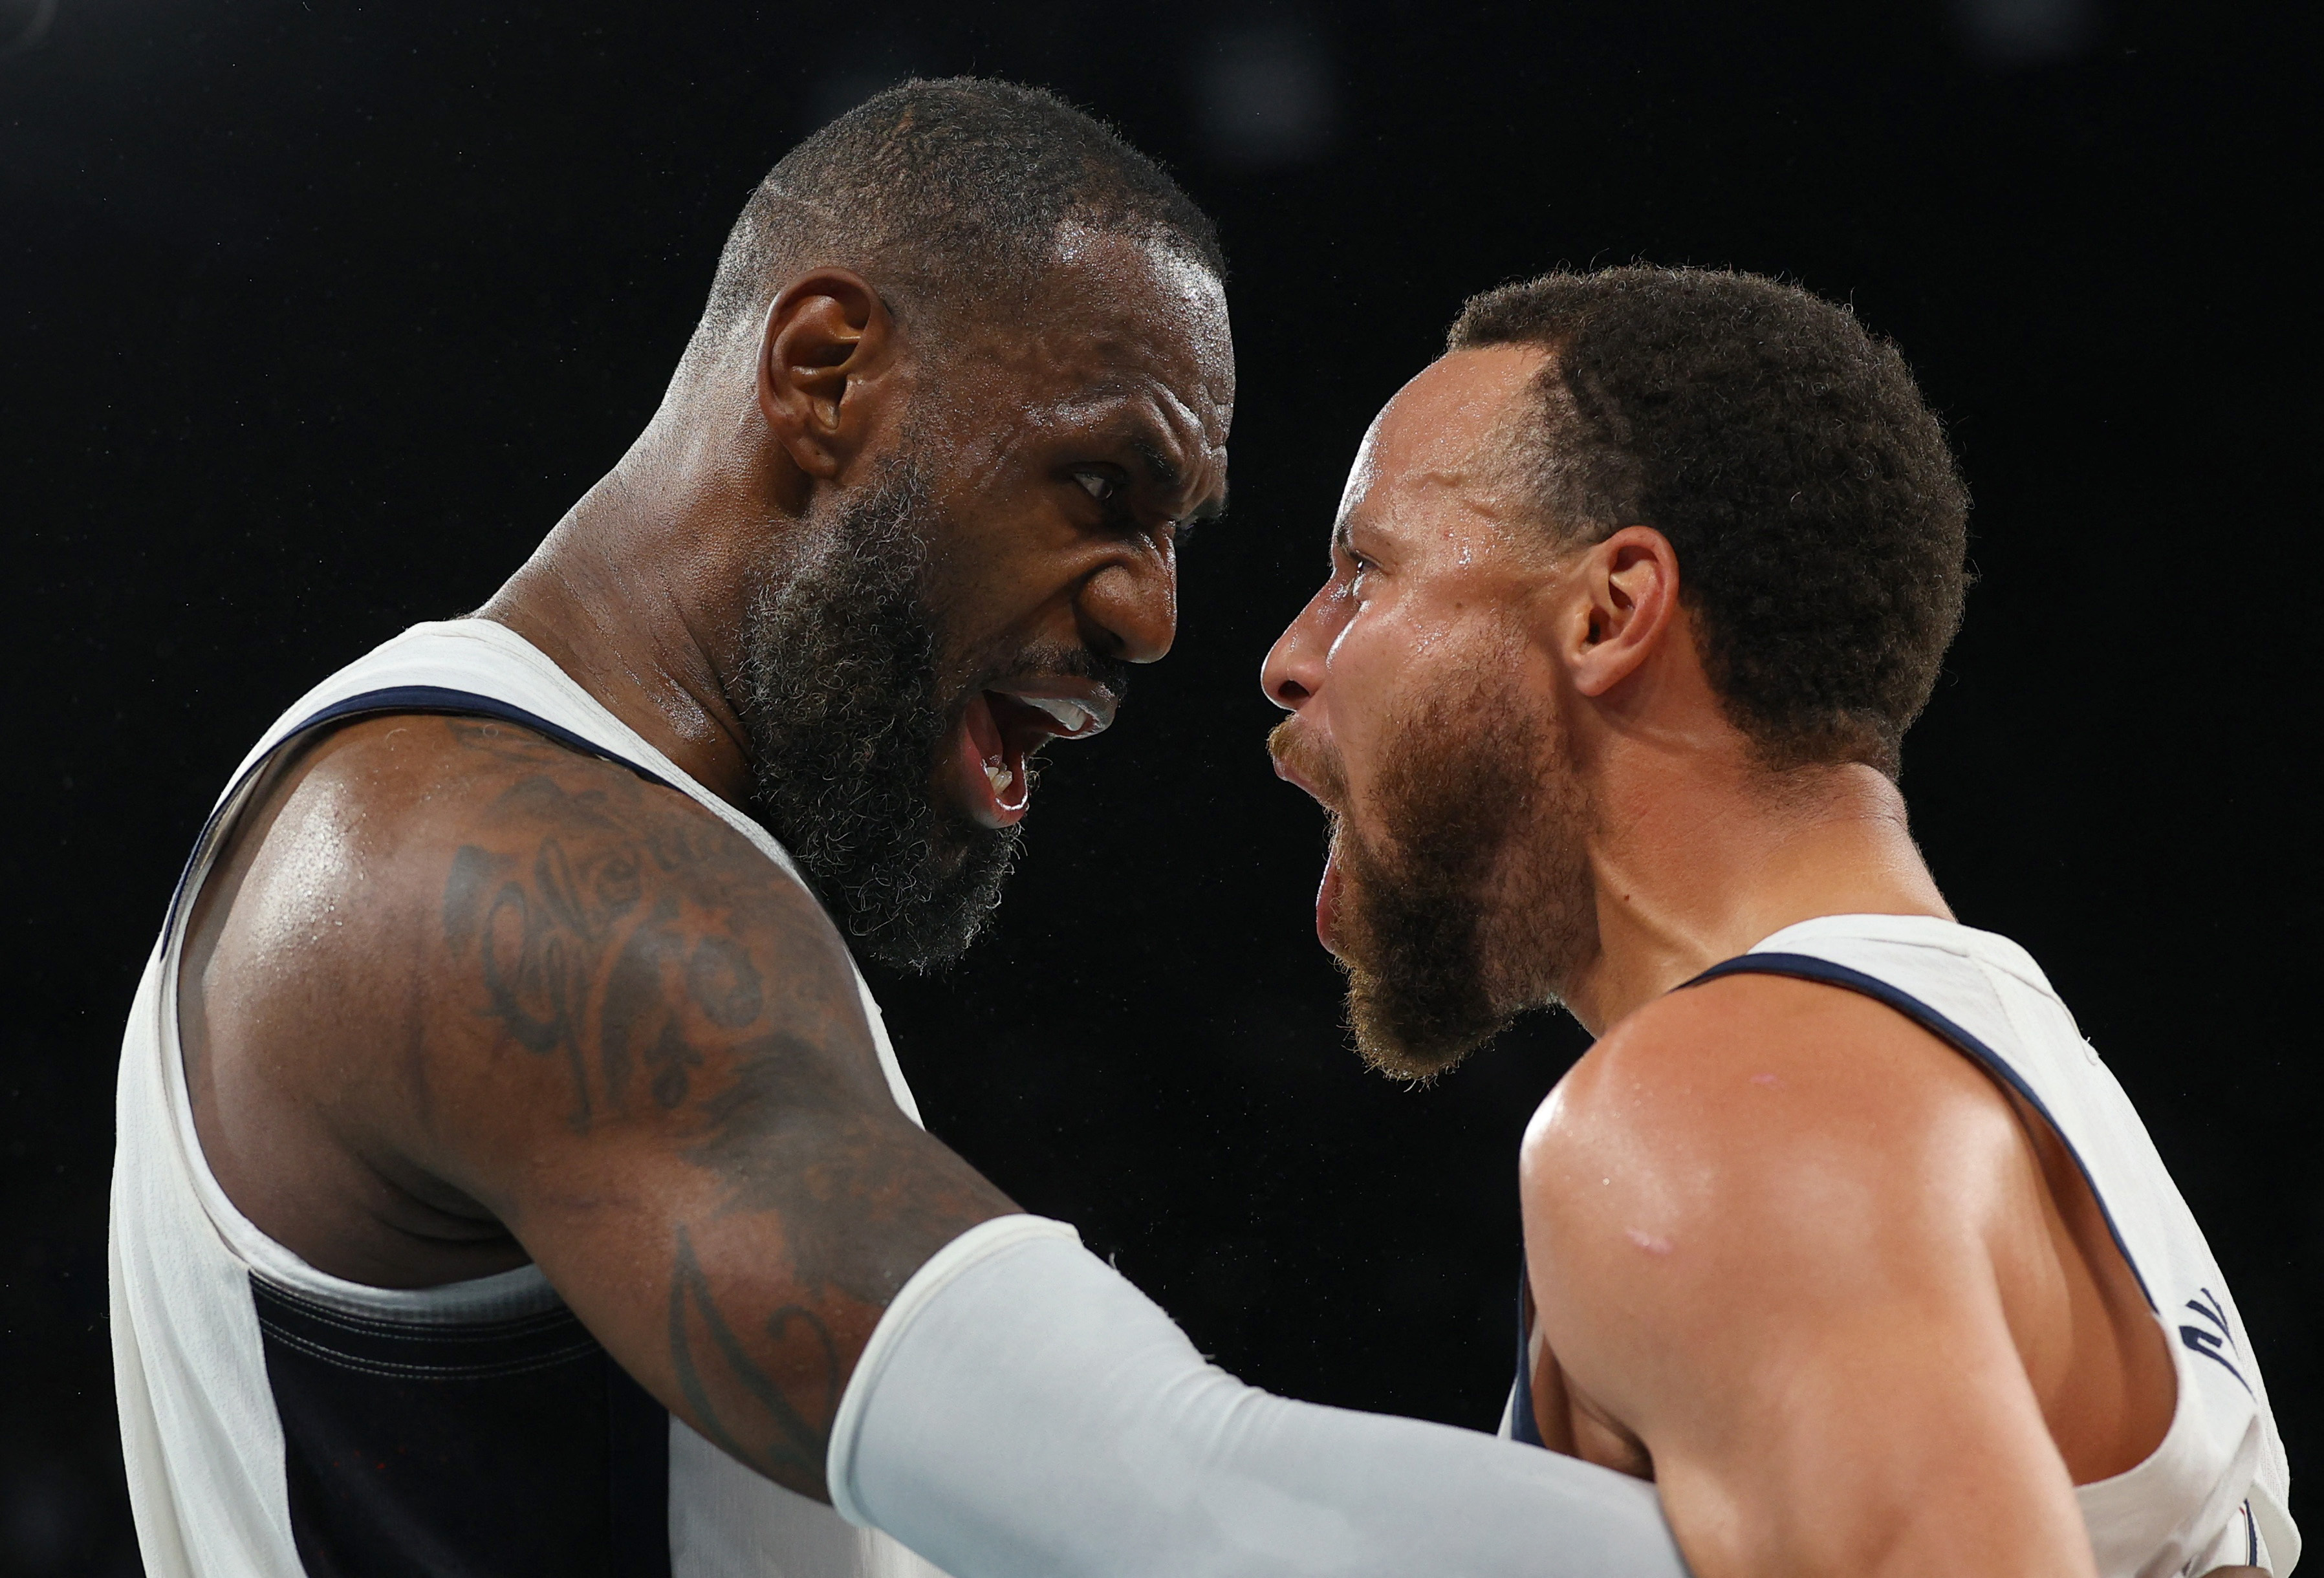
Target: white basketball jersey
{"x":278,"y":1421}
{"x":2216,"y":1492}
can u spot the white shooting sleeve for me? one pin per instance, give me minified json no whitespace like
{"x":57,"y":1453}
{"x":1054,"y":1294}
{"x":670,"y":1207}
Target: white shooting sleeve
{"x":1022,"y":1411}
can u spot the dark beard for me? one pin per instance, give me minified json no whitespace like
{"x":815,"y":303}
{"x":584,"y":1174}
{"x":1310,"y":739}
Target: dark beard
{"x":846,"y":717}
{"x":1481,"y":906}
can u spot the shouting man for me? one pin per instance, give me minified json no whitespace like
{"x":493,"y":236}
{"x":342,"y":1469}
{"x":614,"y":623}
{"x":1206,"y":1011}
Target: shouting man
{"x":1852,"y":1245}
{"x":513,"y":1177}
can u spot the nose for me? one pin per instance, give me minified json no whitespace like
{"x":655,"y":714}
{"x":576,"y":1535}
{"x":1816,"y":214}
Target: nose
{"x":1293,"y":670}
{"x":1129,"y":609}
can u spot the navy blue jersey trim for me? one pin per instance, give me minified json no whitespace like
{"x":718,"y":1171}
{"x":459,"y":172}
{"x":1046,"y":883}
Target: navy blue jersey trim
{"x":513,"y":1448}
{"x":1808,"y":967}
{"x":437,"y":699}
{"x":2217,"y":1343}
{"x":638,"y":1477}
{"x":1524,"y":1424}
{"x":413,"y":1350}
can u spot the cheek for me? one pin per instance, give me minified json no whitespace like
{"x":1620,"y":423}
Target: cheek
{"x":1377,"y":676}
{"x":1388,"y":679}
{"x":1000,"y":553}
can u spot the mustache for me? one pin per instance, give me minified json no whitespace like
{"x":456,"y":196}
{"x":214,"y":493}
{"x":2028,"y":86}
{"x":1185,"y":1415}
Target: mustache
{"x":1299,"y":750}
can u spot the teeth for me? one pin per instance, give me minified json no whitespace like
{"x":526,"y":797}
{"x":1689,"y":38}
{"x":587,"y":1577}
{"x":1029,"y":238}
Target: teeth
{"x":999,"y":777}
{"x":1072,"y":715}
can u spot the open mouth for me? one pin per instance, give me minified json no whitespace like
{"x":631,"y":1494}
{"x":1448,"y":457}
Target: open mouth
{"x":1300,"y":762}
{"x":1003,"y":726}
{"x":1327,"y":903}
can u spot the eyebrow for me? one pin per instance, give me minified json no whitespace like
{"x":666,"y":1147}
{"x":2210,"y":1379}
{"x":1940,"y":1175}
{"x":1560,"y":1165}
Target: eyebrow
{"x":1165,"y":474}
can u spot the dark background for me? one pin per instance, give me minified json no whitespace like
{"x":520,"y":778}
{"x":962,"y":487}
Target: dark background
{"x":314,"y":317}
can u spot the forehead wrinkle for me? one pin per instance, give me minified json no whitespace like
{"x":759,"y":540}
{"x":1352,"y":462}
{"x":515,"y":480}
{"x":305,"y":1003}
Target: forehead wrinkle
{"x":1178,"y":423}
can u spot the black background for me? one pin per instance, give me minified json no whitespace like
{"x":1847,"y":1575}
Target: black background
{"x":316,"y":316}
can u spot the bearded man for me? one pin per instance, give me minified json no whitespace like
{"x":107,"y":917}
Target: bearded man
{"x":1840,"y":1233}
{"x":513,"y":1177}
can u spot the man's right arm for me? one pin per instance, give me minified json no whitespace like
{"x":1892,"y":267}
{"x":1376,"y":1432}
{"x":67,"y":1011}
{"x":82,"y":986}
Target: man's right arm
{"x":499,"y":969}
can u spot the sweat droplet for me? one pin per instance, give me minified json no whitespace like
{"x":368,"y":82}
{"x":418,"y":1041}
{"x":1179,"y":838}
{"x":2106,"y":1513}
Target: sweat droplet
{"x":1648,"y":1241}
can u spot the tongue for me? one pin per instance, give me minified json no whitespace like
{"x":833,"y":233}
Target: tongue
{"x":983,"y":729}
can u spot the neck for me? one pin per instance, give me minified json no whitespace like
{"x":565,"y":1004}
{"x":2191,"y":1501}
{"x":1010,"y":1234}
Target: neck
{"x":1695,"y":866}
{"x":638,"y":592}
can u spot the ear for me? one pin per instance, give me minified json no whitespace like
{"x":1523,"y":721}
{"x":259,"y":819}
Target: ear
{"x":827,"y":353}
{"x":1626,"y":608}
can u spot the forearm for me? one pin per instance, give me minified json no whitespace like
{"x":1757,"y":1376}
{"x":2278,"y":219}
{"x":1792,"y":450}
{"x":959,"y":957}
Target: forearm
{"x":1024,"y":1410}
{"x":740,"y":1290}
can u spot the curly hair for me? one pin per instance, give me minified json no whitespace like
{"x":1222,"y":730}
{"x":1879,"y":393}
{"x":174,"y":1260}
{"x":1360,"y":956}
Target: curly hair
{"x":1820,"y":522}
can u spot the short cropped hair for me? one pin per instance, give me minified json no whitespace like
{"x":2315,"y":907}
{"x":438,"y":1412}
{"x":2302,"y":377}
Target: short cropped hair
{"x":949,"y":197}
{"x":1820,"y":522}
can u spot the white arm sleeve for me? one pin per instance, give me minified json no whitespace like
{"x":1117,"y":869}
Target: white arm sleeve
{"x":1022,"y":1411}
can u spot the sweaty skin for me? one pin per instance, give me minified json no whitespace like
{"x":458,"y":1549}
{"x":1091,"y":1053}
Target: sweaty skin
{"x":1848,"y":1303}
{"x":458,"y":998}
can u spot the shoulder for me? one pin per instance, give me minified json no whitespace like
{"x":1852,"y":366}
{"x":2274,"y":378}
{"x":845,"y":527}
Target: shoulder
{"x":420,"y":809}
{"x":471,"y":881}
{"x":1747,"y":1053}
{"x":1756,"y":1110}
{"x":399,"y":783}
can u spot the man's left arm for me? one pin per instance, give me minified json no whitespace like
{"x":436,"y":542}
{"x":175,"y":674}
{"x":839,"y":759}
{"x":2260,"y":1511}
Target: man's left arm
{"x":1760,"y":1217}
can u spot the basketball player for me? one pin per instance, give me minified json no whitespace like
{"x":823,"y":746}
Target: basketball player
{"x":1840,"y":1233}
{"x":513,"y":1177}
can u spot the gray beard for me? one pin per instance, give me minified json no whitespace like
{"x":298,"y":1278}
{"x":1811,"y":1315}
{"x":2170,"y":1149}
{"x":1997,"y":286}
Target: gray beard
{"x":846,"y":717}
{"x":1481,"y":906}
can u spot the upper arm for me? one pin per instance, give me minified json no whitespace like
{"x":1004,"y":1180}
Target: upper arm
{"x":1757,"y":1218}
{"x":586,"y":1004}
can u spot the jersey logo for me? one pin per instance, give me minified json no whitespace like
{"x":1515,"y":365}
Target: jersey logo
{"x":2213,"y":1344}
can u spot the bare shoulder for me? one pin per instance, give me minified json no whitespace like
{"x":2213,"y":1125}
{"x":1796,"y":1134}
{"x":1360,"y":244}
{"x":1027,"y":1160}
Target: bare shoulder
{"x":422,"y":791}
{"x":1746,"y":1187}
{"x":1763,"y":1137}
{"x":1742,"y":1072}
{"x":435,"y":933}
{"x":445,"y":841}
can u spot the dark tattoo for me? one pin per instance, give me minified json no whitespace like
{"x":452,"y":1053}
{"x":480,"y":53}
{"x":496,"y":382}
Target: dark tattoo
{"x":780,"y":1438}
{"x":692,"y":999}
{"x":565,"y":958}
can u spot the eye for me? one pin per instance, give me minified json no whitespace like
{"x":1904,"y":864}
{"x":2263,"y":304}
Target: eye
{"x":1105,"y":489}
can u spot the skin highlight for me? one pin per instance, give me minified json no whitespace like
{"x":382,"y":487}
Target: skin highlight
{"x":1848,"y":1302}
{"x":457,"y":997}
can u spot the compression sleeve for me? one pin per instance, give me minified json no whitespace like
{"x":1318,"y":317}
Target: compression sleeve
{"x":1022,"y":1411}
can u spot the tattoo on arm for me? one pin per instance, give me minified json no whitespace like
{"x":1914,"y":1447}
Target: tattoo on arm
{"x":782,"y":1438}
{"x":692,"y":1000}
